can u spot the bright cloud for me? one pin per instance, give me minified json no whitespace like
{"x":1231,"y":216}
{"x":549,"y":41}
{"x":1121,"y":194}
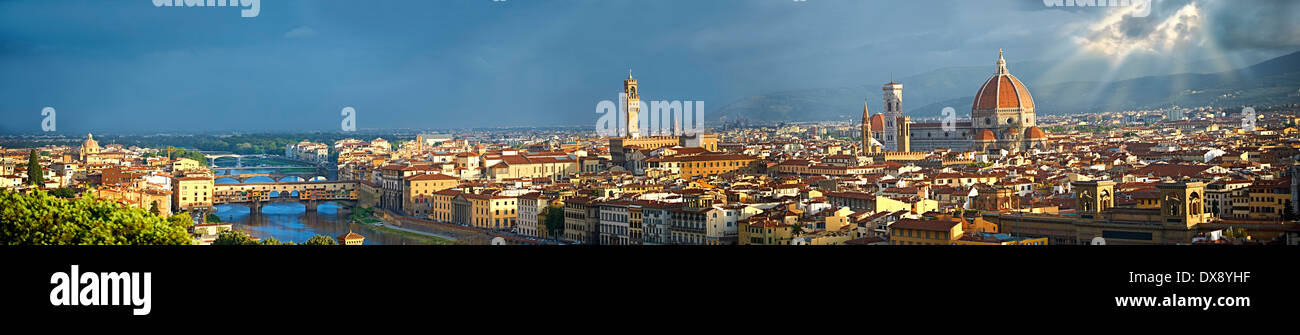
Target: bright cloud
{"x":1119,"y":34}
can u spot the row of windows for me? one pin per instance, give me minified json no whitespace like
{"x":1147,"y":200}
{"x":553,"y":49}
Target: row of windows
{"x":1265,"y":210}
{"x":713,"y":164}
{"x":687,"y":238}
{"x":612,"y":229}
{"x":911,"y":243}
{"x":989,"y":120}
{"x":920,"y":234}
{"x":613,"y":217}
{"x":1265,"y":199}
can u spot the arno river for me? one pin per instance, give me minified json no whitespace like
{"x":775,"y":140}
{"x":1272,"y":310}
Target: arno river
{"x":289,"y":221}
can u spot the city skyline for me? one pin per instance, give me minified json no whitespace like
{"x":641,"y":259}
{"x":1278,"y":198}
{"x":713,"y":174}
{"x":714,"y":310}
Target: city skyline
{"x":405,"y":66}
{"x":379,"y":159}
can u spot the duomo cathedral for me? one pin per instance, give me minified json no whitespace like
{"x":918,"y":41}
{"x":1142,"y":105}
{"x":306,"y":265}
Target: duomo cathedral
{"x":1002,"y":118}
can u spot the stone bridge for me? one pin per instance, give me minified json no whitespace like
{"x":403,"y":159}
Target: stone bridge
{"x":310,"y":193}
{"x":212,"y":157}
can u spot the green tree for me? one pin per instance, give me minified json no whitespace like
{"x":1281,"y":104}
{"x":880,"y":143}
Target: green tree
{"x":555,"y":221}
{"x":37,"y":218}
{"x":153,"y":207}
{"x":273,"y":241}
{"x":212,"y":218}
{"x":186,"y":153}
{"x":231,"y":237}
{"x":181,"y":219}
{"x":320,"y":240}
{"x":63,"y":192}
{"x":360,"y":214}
{"x":35,"y":176}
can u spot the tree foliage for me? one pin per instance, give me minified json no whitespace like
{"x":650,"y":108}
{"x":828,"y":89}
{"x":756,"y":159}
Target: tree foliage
{"x":193,"y":155}
{"x":555,"y":221}
{"x":178,"y":153}
{"x":359,"y":214}
{"x":320,"y":240}
{"x":37,"y":218}
{"x":63,"y":192}
{"x":273,"y":241}
{"x":232,"y":237}
{"x":35,"y":176}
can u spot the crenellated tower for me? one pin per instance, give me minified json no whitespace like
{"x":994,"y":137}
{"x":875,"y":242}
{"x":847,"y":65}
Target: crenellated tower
{"x":633,"y":107}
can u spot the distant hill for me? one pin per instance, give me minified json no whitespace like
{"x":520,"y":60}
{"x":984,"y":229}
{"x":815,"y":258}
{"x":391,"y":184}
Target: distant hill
{"x":1079,"y":89}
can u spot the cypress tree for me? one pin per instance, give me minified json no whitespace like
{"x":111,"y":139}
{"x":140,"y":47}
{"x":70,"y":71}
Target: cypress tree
{"x":35,"y":175}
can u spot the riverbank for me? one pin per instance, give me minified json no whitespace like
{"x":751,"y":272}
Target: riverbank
{"x":365,"y":217}
{"x":422,"y":237}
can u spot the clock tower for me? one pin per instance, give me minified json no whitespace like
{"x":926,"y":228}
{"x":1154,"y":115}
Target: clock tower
{"x":633,"y":107}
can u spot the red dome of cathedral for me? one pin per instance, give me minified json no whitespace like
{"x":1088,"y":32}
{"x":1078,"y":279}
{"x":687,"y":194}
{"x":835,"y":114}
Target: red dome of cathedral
{"x":1003,"y":90}
{"x":1035,"y":133}
{"x":986,"y":135}
{"x":878,"y":122}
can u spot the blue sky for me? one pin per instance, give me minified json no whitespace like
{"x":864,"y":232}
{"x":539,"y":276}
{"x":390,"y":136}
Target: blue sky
{"x":130,"y":66}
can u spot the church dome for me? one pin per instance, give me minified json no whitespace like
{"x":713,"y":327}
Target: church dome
{"x":986,"y":135}
{"x":90,"y":144}
{"x":878,"y":122}
{"x":1002,"y":90}
{"x":1034,"y":133}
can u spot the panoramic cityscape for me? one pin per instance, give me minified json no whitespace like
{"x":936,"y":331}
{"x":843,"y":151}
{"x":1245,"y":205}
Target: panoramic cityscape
{"x":1204,"y":155}
{"x":1001,"y":176}
{"x":648,"y":164}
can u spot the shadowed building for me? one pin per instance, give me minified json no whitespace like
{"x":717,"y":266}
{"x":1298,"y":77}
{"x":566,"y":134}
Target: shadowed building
{"x":1180,"y":216}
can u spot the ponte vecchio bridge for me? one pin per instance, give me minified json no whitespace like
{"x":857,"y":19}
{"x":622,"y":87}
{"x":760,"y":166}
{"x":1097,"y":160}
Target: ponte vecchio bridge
{"x":310,"y":193}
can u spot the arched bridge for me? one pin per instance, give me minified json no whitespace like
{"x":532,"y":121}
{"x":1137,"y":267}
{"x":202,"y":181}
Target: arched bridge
{"x":310,"y":193}
{"x":212,"y":157}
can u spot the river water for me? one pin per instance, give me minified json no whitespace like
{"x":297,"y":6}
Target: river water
{"x":291,"y":222}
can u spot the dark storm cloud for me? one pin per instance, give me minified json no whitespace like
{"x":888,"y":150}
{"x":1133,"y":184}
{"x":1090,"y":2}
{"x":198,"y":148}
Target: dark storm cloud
{"x":1256,"y":24}
{"x":1138,"y":27}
